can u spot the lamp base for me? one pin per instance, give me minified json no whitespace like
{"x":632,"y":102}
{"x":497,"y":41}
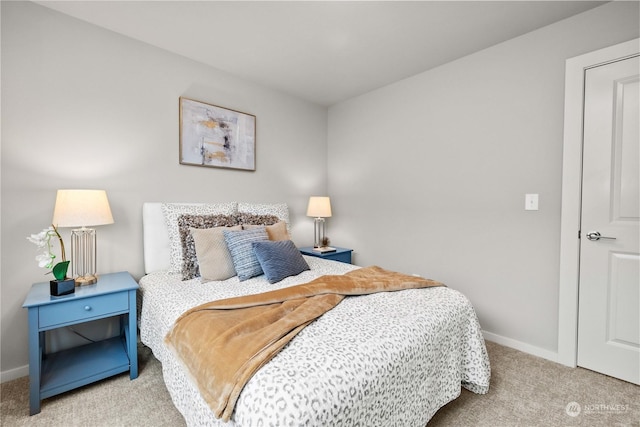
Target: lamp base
{"x":86,"y":280}
{"x":83,"y":255}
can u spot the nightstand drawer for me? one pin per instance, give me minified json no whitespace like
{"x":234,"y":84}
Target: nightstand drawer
{"x":343,"y":256}
{"x":81,"y":309}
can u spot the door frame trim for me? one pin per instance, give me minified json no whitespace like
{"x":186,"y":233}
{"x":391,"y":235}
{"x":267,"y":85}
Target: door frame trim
{"x":572,"y":189}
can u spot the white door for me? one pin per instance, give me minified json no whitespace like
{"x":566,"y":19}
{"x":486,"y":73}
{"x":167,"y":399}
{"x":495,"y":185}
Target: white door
{"x":609,"y":293}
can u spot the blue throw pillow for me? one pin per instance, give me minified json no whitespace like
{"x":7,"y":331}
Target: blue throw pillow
{"x":239,"y":244}
{"x":279,"y":259}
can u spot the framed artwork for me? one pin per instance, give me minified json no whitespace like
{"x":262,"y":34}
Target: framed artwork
{"x":216,"y":137}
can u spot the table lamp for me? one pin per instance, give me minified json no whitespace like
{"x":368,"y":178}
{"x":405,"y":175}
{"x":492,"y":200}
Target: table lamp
{"x":82,"y":208}
{"x":319,"y":208}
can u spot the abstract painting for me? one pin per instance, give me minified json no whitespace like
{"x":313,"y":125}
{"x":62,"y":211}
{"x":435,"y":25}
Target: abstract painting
{"x":216,"y":137}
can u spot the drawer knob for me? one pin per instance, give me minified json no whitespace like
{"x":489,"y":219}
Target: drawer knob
{"x":87,"y":308}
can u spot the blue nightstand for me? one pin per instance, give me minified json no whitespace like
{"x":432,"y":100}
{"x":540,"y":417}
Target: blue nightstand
{"x":340,"y":254}
{"x":55,"y":373}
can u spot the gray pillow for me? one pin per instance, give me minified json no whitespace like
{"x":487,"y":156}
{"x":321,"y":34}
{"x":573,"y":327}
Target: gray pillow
{"x":189,"y":263}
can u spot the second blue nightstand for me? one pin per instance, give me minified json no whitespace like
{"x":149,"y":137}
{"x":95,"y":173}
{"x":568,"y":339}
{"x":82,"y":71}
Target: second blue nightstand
{"x":340,"y":254}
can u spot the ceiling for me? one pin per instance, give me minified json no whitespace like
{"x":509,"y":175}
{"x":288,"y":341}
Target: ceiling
{"x":324,"y":51}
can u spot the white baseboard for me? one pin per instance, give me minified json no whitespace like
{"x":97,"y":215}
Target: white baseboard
{"x":14,"y":374}
{"x":519,"y":345}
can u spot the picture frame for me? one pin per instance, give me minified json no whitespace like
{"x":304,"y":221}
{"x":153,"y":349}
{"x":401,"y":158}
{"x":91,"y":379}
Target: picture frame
{"x":214,"y":136}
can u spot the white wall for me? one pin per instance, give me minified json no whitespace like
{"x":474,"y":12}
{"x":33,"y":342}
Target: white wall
{"x":83,"y":107}
{"x":429,"y":174}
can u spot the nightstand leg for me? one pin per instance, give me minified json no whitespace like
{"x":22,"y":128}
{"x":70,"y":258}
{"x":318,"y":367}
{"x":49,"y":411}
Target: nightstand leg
{"x":35,"y":361}
{"x":132,"y":342}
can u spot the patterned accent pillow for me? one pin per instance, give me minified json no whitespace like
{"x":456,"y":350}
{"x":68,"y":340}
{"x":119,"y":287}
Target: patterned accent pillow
{"x":185,"y":224}
{"x":281,"y":210}
{"x":244,"y":218}
{"x":244,"y":260}
{"x":277,"y":231}
{"x":214,"y":259}
{"x":279,"y":259}
{"x":172,"y":211}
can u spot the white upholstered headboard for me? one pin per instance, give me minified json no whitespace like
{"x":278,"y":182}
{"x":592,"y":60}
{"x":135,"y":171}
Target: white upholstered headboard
{"x":155,"y":238}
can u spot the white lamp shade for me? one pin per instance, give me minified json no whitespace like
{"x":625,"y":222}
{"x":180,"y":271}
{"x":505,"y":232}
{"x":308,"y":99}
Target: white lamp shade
{"x":81,"y":208}
{"x":319,"y":207}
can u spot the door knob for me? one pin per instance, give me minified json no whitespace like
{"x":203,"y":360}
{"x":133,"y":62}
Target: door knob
{"x":595,"y":236}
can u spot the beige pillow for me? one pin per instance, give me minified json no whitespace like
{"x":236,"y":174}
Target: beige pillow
{"x":213,"y":256}
{"x":277,"y":231}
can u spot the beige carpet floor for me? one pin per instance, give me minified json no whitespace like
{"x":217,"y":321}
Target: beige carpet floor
{"x":525,"y":391}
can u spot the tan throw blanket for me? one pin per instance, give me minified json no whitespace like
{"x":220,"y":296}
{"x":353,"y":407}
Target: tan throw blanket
{"x":223,"y":343}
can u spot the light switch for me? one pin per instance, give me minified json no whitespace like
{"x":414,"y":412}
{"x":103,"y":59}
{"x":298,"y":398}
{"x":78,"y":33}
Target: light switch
{"x":531,"y":202}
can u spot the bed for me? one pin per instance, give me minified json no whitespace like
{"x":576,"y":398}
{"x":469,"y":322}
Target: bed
{"x":389,"y":358}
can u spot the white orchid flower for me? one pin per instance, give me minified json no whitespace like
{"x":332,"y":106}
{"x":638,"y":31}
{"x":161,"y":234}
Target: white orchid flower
{"x":43,"y":241}
{"x":42,"y":238}
{"x":45,"y":260}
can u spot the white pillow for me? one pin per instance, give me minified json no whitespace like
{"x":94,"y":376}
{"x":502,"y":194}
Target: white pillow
{"x":172,"y":211}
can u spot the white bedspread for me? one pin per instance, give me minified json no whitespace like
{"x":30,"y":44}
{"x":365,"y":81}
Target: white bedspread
{"x":376,"y":360}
